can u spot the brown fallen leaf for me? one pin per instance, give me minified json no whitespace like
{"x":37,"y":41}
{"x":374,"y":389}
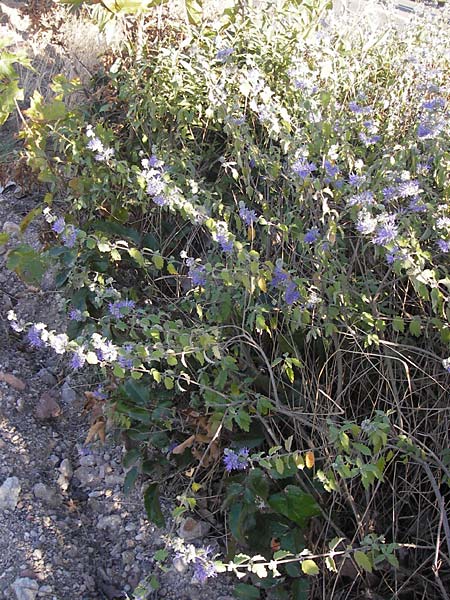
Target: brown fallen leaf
{"x":96,"y":429}
{"x":13,"y":381}
{"x":186,"y":444}
{"x":47,"y":407}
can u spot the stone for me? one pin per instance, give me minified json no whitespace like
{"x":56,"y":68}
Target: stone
{"x":68,"y":395}
{"x":87,"y":461}
{"x":127,"y":557}
{"x":11,"y":228}
{"x":85,"y":475}
{"x":109,"y":522}
{"x":25,"y":588}
{"x":65,"y":468}
{"x":46,"y":494}
{"x":47,"y":377}
{"x":9,"y":493}
{"x":190,"y":529}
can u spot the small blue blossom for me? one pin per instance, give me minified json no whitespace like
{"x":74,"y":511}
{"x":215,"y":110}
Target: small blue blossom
{"x":34,"y":335}
{"x":225,"y":242}
{"x":69,"y":237}
{"x":116,"y":308}
{"x":223,"y":54}
{"x":416,"y":205}
{"x":356,"y":180}
{"x":358,"y":109}
{"x":390,"y":193}
{"x":311,"y":235}
{"x":387,"y":232}
{"x":434,"y":104}
{"x":198,"y":275}
{"x":235,"y":461}
{"x":279,"y":278}
{"x":444,"y":246}
{"x":291,"y":294}
{"x":161,"y":200}
{"x":204,"y":568}
{"x":366,"y":223}
{"x":247,"y":215}
{"x":76,"y":315}
{"x":369,"y":140}
{"x":408,"y":188}
{"x":303,"y":168}
{"x":364,"y":198}
{"x":330,"y":169}
{"x":443,"y":222}
{"x":78,"y":360}
{"x":59,"y":225}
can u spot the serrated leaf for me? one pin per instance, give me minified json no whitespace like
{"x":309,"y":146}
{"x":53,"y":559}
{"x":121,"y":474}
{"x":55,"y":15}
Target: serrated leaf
{"x":363,"y":561}
{"x":415,"y":327}
{"x":309,"y":567}
{"x":131,"y":457}
{"x":244,"y":591}
{"x":398,"y":324}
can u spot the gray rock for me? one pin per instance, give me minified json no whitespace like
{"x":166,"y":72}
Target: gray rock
{"x":46,"y":494}
{"x":190,"y":529}
{"x":68,"y":395}
{"x":47,"y":377}
{"x":109,"y":522}
{"x":9,"y":493}
{"x":25,"y":588}
{"x":11,"y":228}
{"x":65,"y":468}
{"x":87,"y":461}
{"x":85,"y":475}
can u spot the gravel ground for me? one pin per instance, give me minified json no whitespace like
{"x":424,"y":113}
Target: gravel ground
{"x":67,"y":530}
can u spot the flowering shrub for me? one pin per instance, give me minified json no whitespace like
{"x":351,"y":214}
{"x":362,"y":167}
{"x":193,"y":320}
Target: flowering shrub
{"x":255,"y":245}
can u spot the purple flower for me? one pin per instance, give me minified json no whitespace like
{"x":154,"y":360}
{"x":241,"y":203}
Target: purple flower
{"x":303,"y":168}
{"x":155,"y":185}
{"x":204,"y":568}
{"x":366,"y":223}
{"x":34,"y":337}
{"x":359,"y":110}
{"x":247,"y":215}
{"x":69,"y":237}
{"x":364,"y":198}
{"x":223,"y":54}
{"x":59,"y":225}
{"x":100,"y":393}
{"x":390,"y":193}
{"x":356,"y":180}
{"x":408,"y":188}
{"x":311,"y":235}
{"x":434,"y":104}
{"x":75,"y":314}
{"x":279,"y":278}
{"x":369,"y":140}
{"x":444,"y":245}
{"x":330,"y":169}
{"x":235,"y":461}
{"x":291,"y":294}
{"x":443,"y":222}
{"x":416,"y":205}
{"x":428,"y":130}
{"x":78,"y":360}
{"x":116,"y":308}
{"x":198,"y":275}
{"x":160,"y":200}
{"x":153,"y":162}
{"x":387,"y":232}
{"x":225,"y":242}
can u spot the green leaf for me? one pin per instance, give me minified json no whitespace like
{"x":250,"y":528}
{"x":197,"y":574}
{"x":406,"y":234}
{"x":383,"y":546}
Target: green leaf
{"x":4,"y":237}
{"x":152,"y":505}
{"x":130,"y":480}
{"x":415,"y":327}
{"x":309,"y":567}
{"x":363,"y":561}
{"x":244,"y":591}
{"x":194,"y":11}
{"x":294,"y":504}
{"x":27,"y":263}
{"x":257,"y":482}
{"x":139,"y":392}
{"x":158,"y":261}
{"x":398,"y":324}
{"x":300,"y":589}
{"x":131,"y":457}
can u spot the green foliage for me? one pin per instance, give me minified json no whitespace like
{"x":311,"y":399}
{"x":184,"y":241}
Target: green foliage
{"x":258,"y":224}
{"x":10,"y":91}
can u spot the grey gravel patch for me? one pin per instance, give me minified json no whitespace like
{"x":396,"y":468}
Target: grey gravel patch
{"x":25,"y":588}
